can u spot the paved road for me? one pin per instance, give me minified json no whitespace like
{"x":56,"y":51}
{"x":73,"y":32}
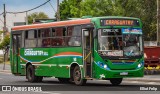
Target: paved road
{"x":7,"y":78}
{"x":92,"y":87}
{"x":128,"y":86}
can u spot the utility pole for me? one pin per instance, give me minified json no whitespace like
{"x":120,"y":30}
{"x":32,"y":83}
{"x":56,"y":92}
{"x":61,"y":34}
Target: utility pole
{"x":4,"y":31}
{"x":4,"y":15}
{"x":26,"y":18}
{"x":58,"y":11}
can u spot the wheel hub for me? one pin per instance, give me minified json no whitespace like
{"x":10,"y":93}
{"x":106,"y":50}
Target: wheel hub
{"x":77,"y":75}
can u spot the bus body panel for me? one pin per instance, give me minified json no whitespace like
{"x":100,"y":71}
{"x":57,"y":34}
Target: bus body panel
{"x":14,"y":55}
{"x":52,"y":61}
{"x":56,"y":61}
{"x":99,"y":72}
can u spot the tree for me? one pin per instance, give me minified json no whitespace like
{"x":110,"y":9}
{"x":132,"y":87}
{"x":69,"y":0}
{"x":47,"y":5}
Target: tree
{"x":4,"y":45}
{"x":64,"y":10}
{"x":143,"y":9}
{"x":70,"y":9}
{"x":146,"y":11}
{"x":149,"y":10}
{"x":36,"y":15}
{"x":5,"y":42}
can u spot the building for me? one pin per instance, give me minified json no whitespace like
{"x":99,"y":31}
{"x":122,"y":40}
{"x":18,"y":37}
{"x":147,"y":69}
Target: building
{"x":11,"y":20}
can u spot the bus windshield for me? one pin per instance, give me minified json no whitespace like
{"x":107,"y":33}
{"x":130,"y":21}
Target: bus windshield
{"x":120,"y":42}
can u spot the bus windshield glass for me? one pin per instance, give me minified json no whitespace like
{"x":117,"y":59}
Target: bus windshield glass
{"x":120,"y":42}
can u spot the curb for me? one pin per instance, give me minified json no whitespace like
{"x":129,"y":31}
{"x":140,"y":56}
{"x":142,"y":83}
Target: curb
{"x":142,"y":79}
{"x":7,"y":71}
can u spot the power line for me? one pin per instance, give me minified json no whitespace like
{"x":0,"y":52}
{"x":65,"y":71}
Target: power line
{"x":1,"y":20}
{"x":1,"y":13}
{"x":58,"y":11}
{"x":52,"y":7}
{"x":29,"y":9}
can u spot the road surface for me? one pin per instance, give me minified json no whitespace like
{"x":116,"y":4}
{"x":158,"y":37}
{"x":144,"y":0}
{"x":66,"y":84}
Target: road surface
{"x":53,"y":86}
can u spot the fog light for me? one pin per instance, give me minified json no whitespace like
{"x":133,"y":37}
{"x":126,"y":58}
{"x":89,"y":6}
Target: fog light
{"x":105,"y":66}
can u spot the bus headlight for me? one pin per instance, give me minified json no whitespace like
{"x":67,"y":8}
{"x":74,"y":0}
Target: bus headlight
{"x":102,"y":65}
{"x":139,"y":65}
{"x":105,"y":66}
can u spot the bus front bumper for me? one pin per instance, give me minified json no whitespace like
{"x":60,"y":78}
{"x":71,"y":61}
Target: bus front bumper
{"x":107,"y":74}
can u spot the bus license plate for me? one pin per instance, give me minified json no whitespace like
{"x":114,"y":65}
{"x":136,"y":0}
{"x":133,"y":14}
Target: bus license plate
{"x":124,"y":73}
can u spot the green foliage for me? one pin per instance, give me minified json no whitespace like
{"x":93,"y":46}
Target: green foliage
{"x":1,"y":32}
{"x":5,"y":42}
{"x":143,"y":9}
{"x":36,"y":15}
{"x":70,"y":8}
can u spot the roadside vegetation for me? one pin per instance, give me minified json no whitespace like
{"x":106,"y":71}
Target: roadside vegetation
{"x":146,"y":10}
{"x":4,"y":46}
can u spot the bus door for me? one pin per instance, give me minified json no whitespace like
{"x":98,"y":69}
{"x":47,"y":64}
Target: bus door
{"x":87,"y":54}
{"x":15,"y":53}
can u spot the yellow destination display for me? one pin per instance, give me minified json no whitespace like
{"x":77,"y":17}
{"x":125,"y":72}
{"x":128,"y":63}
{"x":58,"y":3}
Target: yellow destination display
{"x":119,"y":22}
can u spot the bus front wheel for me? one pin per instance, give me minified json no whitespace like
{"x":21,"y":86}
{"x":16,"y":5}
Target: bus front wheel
{"x":77,"y":76}
{"x":116,"y":81}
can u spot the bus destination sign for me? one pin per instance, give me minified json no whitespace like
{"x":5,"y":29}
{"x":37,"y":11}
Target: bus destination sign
{"x":131,"y":31}
{"x":119,"y":22}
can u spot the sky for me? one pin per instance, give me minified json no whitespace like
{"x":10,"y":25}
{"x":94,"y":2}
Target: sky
{"x":22,"y":5}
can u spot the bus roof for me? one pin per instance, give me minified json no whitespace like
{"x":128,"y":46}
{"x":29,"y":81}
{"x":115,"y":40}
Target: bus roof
{"x":68,"y":22}
{"x":52,"y":24}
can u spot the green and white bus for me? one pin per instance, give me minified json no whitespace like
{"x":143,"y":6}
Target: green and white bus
{"x":77,"y":50}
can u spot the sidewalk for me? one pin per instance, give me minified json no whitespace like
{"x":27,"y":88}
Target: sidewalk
{"x":7,"y":68}
{"x":146,"y":78}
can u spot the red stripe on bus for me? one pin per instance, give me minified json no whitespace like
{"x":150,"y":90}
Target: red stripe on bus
{"x":69,"y":53}
{"x":53,"y":24}
{"x":23,"y":60}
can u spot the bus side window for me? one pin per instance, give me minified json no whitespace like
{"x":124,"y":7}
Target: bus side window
{"x":23,"y":39}
{"x":74,"y":35}
{"x":31,"y":38}
{"x":44,"y":37}
{"x":58,"y":36}
{"x":53,"y":32}
{"x":39,"y":38}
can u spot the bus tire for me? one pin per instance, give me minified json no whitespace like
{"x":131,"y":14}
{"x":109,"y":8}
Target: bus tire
{"x":31,"y":74}
{"x":116,"y":81}
{"x":63,"y":80}
{"x":77,"y":76}
{"x":39,"y":78}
